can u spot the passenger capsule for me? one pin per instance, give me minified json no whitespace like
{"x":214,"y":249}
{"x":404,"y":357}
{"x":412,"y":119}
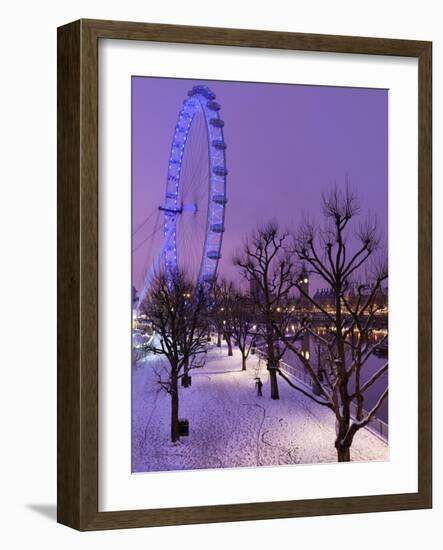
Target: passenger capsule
{"x":213,"y":106}
{"x":217,"y":228}
{"x":220,"y":171}
{"x":217,"y":122}
{"x":219,"y":144}
{"x":219,"y":199}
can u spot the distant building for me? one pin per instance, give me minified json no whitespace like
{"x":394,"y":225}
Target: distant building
{"x":381,"y":298}
{"x":325,"y":297}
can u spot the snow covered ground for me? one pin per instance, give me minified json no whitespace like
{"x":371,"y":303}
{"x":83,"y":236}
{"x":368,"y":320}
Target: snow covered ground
{"x":230,"y":426}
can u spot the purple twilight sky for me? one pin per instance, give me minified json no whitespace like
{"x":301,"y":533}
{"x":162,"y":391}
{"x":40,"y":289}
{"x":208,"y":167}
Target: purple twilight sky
{"x":286,"y":145}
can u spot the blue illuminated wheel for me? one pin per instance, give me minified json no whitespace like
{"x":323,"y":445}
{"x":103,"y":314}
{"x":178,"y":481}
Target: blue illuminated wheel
{"x":195,"y":198}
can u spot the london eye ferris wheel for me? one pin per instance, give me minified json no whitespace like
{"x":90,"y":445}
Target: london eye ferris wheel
{"x":195,"y":194}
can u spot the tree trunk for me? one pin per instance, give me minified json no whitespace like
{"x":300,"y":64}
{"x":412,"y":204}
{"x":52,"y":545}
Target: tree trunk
{"x":343,"y":453}
{"x":316,"y":387}
{"x":219,"y":339}
{"x":186,"y":375}
{"x":174,"y":410}
{"x":274,"y":384}
{"x":243,"y":362}
{"x":342,"y":443}
{"x":272,"y":361}
{"x":228,"y":341}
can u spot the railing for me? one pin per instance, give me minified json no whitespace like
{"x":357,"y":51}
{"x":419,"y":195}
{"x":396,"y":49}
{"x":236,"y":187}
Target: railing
{"x":376,"y":426}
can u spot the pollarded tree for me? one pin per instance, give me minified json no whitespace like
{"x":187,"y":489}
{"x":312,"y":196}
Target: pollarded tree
{"x":338,"y":254}
{"x":242,"y":322}
{"x":223,"y":297}
{"x":269,"y":270}
{"x":178,"y":315}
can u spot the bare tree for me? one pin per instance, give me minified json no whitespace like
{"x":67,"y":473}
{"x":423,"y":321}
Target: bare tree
{"x":223,"y":294}
{"x":178,"y":315}
{"x":241,"y":319}
{"x":269,"y":270}
{"x":344,"y":351}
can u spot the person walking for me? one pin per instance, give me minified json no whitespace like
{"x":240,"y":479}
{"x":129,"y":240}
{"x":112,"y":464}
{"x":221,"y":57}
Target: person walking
{"x":259,"y":385}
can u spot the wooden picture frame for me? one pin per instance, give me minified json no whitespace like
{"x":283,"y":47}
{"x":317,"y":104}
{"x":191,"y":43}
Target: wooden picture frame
{"x":78,"y":274}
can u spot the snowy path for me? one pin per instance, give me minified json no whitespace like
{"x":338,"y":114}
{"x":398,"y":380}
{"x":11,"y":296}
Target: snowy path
{"x":229,"y":425}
